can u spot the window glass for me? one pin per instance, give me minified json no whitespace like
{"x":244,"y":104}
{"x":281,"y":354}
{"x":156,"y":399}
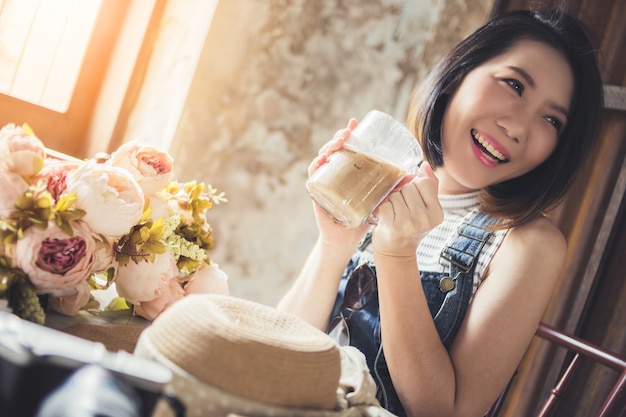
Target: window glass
{"x":42,"y":46}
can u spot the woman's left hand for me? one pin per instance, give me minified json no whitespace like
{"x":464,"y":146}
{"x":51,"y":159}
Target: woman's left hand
{"x":407,"y":214}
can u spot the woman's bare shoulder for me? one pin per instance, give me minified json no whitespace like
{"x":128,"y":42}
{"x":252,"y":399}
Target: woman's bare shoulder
{"x":538,"y":235}
{"x":538,"y":245}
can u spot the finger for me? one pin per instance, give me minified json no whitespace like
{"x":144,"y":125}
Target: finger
{"x":407,"y":200}
{"x":426,"y":171}
{"x":316,"y":163}
{"x":428,"y":185}
{"x":336,"y":142}
{"x":332,"y":145}
{"x":407,"y":179}
{"x":385,"y":212}
{"x":410,"y":192}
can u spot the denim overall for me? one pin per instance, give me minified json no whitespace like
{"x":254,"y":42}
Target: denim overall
{"x":447,"y":305}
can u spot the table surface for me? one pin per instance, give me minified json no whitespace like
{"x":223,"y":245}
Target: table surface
{"x":116,"y":329}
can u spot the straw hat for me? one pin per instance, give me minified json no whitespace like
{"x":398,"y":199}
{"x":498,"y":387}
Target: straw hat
{"x":230,"y":355}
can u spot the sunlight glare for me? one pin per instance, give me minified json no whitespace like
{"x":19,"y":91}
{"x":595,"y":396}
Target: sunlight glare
{"x":42,"y":46}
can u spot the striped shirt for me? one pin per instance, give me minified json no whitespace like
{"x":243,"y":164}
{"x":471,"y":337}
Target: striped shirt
{"x":455,"y":208}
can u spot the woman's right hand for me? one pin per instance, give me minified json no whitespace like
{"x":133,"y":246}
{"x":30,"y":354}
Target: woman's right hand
{"x":331,"y":232}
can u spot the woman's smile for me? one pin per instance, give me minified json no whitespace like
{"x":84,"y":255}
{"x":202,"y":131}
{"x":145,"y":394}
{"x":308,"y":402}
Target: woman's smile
{"x":488,"y":150}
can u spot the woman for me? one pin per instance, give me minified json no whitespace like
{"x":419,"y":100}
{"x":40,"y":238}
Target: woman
{"x":505,"y":122}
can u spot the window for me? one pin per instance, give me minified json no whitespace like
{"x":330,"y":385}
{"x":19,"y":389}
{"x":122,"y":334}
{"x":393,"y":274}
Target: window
{"x":42,"y":45}
{"x":55,"y":56}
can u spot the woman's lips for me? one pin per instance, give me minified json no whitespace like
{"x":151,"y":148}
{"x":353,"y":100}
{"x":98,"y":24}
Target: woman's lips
{"x":488,"y":149}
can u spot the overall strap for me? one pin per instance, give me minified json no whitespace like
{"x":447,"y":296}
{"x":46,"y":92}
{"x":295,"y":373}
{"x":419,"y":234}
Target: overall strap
{"x":462,"y":254}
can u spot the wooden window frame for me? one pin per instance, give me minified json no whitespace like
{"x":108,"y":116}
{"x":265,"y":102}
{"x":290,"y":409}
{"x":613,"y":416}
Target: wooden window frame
{"x":104,"y":90}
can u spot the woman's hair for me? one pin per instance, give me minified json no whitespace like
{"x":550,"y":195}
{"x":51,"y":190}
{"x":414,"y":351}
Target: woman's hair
{"x":521,"y":199}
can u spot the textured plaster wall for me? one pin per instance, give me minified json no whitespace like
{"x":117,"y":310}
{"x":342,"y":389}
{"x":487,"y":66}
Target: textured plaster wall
{"x":275,"y":80}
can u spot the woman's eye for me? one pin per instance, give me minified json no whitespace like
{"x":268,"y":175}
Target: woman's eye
{"x":558,"y":125}
{"x":516,"y":85}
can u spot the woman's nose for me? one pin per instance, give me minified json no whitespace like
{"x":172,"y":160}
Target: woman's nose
{"x":515,"y":124}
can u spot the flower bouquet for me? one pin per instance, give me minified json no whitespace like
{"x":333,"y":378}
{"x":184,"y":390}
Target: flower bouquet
{"x":68,"y":227}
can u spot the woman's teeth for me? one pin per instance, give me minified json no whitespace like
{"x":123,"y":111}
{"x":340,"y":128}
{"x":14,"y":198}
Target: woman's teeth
{"x":488,"y":149}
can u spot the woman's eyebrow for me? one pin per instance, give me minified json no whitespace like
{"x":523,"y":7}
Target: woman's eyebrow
{"x":525,"y":75}
{"x":531,"y":82}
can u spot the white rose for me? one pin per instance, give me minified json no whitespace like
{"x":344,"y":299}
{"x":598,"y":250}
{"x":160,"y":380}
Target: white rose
{"x":209,"y":279}
{"x":111,"y":197}
{"x":142,"y":281}
{"x":151,"y":167}
{"x":171,"y":293}
{"x":13,"y":187}
{"x":20,"y":151}
{"x":105,"y":256}
{"x":71,"y":304}
{"x":159,"y":206}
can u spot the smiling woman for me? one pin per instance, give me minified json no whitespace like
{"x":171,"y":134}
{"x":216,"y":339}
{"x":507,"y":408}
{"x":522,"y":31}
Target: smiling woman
{"x":463,"y":257}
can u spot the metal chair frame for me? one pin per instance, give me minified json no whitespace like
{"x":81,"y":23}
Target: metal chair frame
{"x":614,"y":404}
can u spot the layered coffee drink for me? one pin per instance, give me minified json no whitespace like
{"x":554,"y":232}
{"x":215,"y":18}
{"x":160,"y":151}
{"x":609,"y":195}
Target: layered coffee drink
{"x":352,"y":184}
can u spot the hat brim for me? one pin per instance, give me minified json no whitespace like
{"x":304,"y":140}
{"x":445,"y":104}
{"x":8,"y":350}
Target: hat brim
{"x":202,"y":399}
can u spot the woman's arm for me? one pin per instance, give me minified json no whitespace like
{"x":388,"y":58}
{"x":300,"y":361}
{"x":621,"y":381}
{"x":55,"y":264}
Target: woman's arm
{"x":313,"y":294}
{"x":493,"y":338}
{"x":505,"y":312}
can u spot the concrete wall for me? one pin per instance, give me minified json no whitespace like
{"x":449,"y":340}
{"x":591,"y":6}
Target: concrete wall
{"x":274,"y":81}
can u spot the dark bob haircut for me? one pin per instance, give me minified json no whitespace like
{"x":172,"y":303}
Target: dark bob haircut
{"x":521,"y":199}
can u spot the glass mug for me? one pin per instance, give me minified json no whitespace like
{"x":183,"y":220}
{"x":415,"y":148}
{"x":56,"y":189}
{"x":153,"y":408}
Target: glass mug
{"x":356,"y":179}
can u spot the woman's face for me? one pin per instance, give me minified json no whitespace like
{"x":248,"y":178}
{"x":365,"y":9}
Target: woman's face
{"x":505,"y":117}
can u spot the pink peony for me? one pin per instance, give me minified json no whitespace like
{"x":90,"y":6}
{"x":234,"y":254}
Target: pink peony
{"x":54,"y":174}
{"x":55,"y":262}
{"x":113,"y":200}
{"x":71,"y":304}
{"x":12,"y":187}
{"x":209,"y":279}
{"x":150,"y":167}
{"x":144,"y":281}
{"x":169,"y":295}
{"x":20,"y":152}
